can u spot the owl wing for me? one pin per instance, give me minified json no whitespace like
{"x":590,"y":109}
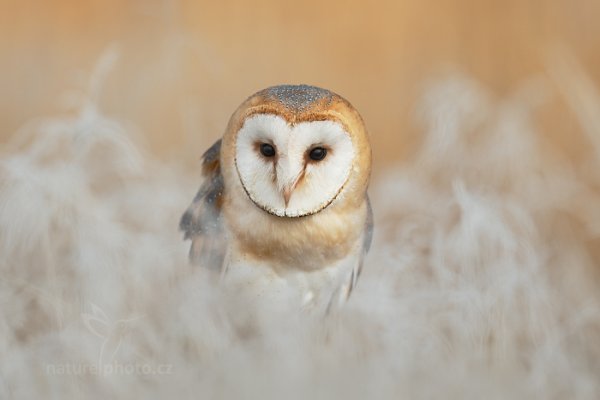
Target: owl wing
{"x":202,"y":221}
{"x":366,"y":246}
{"x":368,"y":228}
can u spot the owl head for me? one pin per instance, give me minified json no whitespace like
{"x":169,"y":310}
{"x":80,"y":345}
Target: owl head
{"x":297,"y":149}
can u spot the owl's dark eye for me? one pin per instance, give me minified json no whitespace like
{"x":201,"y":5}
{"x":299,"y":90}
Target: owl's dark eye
{"x":267,"y":150}
{"x":318,"y":153}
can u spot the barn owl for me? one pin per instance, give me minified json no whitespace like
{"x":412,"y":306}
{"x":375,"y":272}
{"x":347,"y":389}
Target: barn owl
{"x":284,"y":195}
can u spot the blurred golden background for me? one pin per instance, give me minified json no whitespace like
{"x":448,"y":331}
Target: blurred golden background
{"x":184,"y":66}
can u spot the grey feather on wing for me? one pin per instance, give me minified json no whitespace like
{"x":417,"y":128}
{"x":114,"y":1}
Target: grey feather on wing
{"x":368,"y":227}
{"x":366,"y":246}
{"x":202,"y":221}
{"x":367,"y":239}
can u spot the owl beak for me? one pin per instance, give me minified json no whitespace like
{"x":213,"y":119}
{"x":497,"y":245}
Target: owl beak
{"x":289,"y":189}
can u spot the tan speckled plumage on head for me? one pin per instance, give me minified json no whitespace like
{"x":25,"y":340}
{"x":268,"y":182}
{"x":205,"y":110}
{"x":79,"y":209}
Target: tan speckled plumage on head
{"x":284,"y":195}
